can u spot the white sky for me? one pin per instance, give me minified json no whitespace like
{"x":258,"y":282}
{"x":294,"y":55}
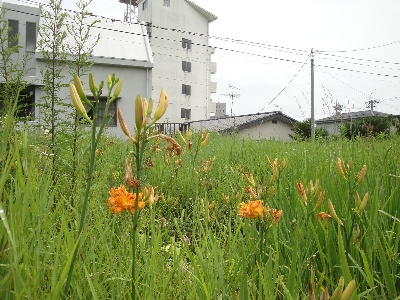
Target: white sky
{"x":285,"y":32}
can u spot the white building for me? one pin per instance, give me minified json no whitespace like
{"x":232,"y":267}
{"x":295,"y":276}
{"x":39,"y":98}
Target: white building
{"x":123,"y":49}
{"x":178,"y":31}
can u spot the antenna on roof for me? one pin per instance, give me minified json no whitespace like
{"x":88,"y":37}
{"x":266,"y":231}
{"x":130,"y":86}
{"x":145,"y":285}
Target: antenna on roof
{"x":232,"y":95}
{"x":130,"y":8}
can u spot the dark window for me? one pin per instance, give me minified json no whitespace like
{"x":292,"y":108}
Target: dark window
{"x":186,"y":89}
{"x":166,"y":3}
{"x":186,"y":43}
{"x":112,"y":111}
{"x":25,"y":105}
{"x":30,"y":36}
{"x":185,"y":113}
{"x":186,"y":66}
{"x":13,"y":33}
{"x":144,"y":5}
{"x":274,"y":122}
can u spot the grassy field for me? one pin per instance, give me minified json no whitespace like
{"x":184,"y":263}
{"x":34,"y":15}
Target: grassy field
{"x":191,"y":243}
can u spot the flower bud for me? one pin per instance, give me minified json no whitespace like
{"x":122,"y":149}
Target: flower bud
{"x":189,"y":134}
{"x":204,"y":139}
{"x":138,"y":113}
{"x":92,"y":86}
{"x":101,"y":85}
{"x":250,"y":179}
{"x":337,"y":294}
{"x":302,"y":192}
{"x":348,"y":290}
{"x":117,"y":90}
{"x":362,"y":173}
{"x":109,"y":82}
{"x":122,"y":123}
{"x":76,"y":101}
{"x":339,"y":167}
{"x":162,"y":105}
{"x":333,"y":212}
{"x":149,"y":107}
{"x":363,"y":203}
{"x":357,"y":200}
{"x":80,"y":90}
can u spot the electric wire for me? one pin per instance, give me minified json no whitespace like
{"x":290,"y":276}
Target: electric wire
{"x":286,"y":84}
{"x":363,"y":49}
{"x":321,"y":52}
{"x":234,"y":51}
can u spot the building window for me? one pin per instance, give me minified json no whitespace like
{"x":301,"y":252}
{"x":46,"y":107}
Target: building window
{"x":25,"y":106}
{"x":186,"y":44}
{"x":274,"y":121}
{"x":112,"y":111}
{"x":30,"y":36}
{"x":166,"y":3}
{"x":186,"y":66}
{"x":186,"y":89}
{"x":144,"y":5}
{"x":185,"y":113}
{"x":13,"y":33}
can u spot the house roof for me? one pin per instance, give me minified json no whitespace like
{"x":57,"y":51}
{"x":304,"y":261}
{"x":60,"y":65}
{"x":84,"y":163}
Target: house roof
{"x":352,"y":116}
{"x":206,"y":13}
{"x":228,"y":124}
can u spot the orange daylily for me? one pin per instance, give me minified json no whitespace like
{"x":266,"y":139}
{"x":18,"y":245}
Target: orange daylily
{"x":121,"y":200}
{"x":252,"y":210}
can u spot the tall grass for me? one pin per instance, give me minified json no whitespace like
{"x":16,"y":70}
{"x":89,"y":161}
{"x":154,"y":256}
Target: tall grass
{"x":191,"y":243}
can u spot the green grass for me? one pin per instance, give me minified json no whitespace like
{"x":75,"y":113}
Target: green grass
{"x":192,"y":244}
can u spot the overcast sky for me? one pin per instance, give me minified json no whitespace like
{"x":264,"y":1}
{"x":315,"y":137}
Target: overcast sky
{"x":353,"y":40}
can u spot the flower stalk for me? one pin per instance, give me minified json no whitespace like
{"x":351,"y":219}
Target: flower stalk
{"x":78,"y":96}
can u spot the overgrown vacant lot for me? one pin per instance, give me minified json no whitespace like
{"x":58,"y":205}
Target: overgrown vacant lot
{"x":329,"y":210}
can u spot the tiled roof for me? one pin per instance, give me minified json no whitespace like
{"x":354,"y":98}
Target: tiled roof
{"x":352,"y":115}
{"x":228,"y":123}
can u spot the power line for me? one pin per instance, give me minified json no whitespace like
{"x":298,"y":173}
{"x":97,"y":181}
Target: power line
{"x":362,"y":49}
{"x":219,"y":48}
{"x":359,"y":59}
{"x":286,"y":84}
{"x":254,"y":44}
{"x":360,"y":64}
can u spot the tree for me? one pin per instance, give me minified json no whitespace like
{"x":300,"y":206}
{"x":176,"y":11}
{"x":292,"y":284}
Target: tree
{"x":366,"y":127}
{"x":81,"y":53}
{"x":12,"y":71}
{"x":52,"y":34}
{"x":302,"y":131}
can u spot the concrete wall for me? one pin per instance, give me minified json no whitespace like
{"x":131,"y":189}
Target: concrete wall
{"x":268,"y":130}
{"x":169,"y":54}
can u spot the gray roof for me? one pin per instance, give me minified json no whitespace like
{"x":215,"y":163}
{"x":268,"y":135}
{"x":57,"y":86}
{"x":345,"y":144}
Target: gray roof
{"x":210,"y":17}
{"x":352,"y":116}
{"x":228,"y":124}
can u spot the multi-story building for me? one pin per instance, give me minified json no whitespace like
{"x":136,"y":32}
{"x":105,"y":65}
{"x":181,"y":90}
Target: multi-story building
{"x":179,"y":39}
{"x":123,"y":49}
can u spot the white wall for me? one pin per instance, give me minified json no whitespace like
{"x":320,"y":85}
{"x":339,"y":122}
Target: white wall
{"x":169,"y":54}
{"x":268,"y":130}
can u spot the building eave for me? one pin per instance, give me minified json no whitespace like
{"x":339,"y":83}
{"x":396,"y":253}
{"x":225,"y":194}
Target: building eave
{"x":210,"y":17}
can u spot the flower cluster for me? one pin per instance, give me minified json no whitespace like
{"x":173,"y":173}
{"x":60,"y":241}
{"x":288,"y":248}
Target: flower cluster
{"x":254,"y":209}
{"x":121,"y":200}
{"x":312,"y":193}
{"x":345,"y":170}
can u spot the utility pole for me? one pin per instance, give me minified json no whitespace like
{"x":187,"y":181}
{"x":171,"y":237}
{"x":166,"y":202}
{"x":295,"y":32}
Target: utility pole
{"x":312,"y":97}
